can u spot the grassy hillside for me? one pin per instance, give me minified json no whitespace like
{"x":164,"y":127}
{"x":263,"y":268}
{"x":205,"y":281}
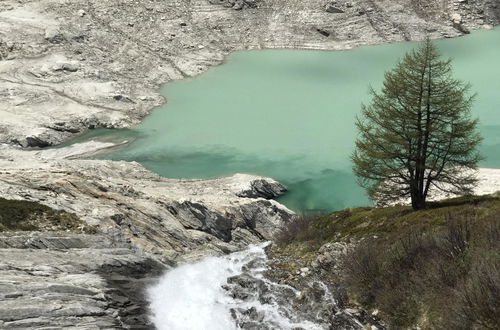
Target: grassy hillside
{"x":17,"y":215}
{"x":437,"y":268}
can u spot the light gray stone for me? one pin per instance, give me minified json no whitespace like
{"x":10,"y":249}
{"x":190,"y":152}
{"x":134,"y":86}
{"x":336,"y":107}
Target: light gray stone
{"x":123,"y":49}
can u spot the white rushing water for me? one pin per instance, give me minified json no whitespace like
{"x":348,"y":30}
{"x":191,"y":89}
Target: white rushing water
{"x":192,"y":297}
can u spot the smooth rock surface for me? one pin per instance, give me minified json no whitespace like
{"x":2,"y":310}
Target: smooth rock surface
{"x":91,"y":287}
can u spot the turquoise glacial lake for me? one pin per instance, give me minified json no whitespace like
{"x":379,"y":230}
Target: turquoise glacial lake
{"x":289,"y":114}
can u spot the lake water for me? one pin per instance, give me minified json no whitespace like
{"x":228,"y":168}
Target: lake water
{"x":289,"y":114}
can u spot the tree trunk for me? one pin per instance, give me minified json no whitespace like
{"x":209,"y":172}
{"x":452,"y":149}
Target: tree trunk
{"x":417,"y":200}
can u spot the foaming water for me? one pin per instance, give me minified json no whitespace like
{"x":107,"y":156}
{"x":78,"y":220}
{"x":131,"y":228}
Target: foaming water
{"x":191,"y":296}
{"x":198,"y":296}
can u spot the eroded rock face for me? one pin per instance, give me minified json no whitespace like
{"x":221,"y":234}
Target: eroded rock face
{"x":89,"y":282}
{"x":266,"y":188}
{"x":70,"y":66}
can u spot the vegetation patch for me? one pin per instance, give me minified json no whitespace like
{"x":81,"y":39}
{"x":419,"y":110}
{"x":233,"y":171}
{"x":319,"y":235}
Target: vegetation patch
{"x":388,"y":223}
{"x":436,"y":268}
{"x":19,"y":215}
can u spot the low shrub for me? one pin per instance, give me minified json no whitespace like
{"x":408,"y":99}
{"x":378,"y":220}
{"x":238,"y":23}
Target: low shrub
{"x":479,"y":298}
{"x":296,"y":226}
{"x":446,"y":278}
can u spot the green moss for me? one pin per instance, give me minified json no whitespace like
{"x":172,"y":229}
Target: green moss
{"x":18,"y":215}
{"x":394,"y":222}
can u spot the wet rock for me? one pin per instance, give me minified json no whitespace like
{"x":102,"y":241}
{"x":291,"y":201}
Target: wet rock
{"x":245,"y":287}
{"x":253,"y":326}
{"x":320,"y":296}
{"x":263,"y":303}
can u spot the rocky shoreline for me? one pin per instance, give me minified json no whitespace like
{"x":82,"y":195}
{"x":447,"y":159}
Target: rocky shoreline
{"x":66,"y":67}
{"x":69,"y":67}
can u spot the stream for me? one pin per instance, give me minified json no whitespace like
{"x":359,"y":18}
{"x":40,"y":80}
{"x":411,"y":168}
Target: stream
{"x":232,"y":292}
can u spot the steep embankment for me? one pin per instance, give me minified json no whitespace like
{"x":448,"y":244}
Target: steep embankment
{"x":437,"y":268}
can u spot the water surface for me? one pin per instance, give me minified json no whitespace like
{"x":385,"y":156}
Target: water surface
{"x":289,"y":114}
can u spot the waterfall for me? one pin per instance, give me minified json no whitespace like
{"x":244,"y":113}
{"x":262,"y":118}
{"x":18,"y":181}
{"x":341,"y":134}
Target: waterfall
{"x":224,"y":293}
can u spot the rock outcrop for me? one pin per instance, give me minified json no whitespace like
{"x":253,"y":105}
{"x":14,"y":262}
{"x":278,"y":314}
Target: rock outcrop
{"x":270,"y":300}
{"x":169,"y":218}
{"x":145,"y":224}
